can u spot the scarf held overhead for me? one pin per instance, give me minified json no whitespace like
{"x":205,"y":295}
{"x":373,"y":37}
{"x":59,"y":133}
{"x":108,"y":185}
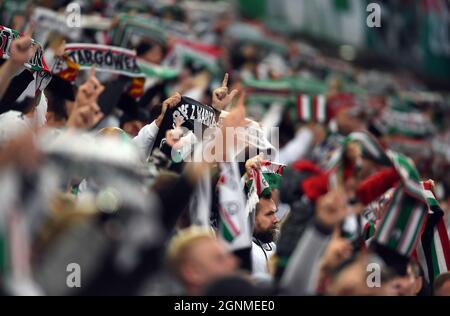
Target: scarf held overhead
{"x":234,"y":226}
{"x":405,"y":214}
{"x":36,"y":63}
{"x":110,"y":59}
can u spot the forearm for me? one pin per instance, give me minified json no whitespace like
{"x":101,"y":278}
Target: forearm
{"x":375,"y":185}
{"x":302,"y":272}
{"x":17,"y":85}
{"x":297,"y":147}
{"x":145,"y":139}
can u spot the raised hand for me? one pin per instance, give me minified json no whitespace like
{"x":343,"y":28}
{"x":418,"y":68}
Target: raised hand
{"x":232,"y":126}
{"x":338,"y":250}
{"x":86,"y":116}
{"x":254,"y":162}
{"x":90,"y":90}
{"x":167,"y":104}
{"x":236,"y":117}
{"x":87,"y":113}
{"x":221,"y":98}
{"x":22,"y":50}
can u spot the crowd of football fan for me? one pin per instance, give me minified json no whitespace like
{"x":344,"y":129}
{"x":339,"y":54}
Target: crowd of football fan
{"x":88,"y":175}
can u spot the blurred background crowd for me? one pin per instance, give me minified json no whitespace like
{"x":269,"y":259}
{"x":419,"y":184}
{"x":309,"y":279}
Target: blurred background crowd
{"x":358,"y":175}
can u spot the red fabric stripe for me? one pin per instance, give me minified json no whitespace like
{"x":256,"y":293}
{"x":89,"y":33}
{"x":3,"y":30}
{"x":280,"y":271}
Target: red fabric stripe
{"x":213,"y":51}
{"x":427,"y":186}
{"x":443,"y":235}
{"x":258,"y":182}
{"x":226,"y":217}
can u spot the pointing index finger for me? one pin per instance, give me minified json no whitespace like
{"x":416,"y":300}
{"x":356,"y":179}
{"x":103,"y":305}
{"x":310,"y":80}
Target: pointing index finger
{"x":92,"y":72}
{"x":30,"y":29}
{"x":225,"y":80}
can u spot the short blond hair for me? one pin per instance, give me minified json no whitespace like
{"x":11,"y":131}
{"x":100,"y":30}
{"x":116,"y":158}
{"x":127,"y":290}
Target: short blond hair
{"x":183,"y":240}
{"x":112,"y":131}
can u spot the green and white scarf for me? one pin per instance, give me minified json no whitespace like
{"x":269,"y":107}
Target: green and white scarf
{"x":234,"y":225}
{"x":36,"y":63}
{"x":405,"y":214}
{"x":312,"y":108}
{"x":110,"y":59}
{"x":266,"y":178}
{"x":433,"y":250}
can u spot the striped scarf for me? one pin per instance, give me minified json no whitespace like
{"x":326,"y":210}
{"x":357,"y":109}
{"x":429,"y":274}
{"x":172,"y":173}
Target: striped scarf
{"x":433,"y":250}
{"x":282,"y":90}
{"x":312,"y":108}
{"x":374,"y":212}
{"x":405,"y":215}
{"x":234,"y":226}
{"x":66,"y":68}
{"x":36,"y":63}
{"x":105,"y":58}
{"x":401,"y":118}
{"x":200,"y":54}
{"x":157,"y":71}
{"x":269,"y":91}
{"x":130,"y":26}
{"x":265,"y":178}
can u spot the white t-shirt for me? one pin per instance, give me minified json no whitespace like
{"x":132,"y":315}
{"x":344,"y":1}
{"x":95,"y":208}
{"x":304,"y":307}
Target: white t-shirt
{"x":13,"y":123}
{"x":146,"y":139}
{"x":260,"y":259}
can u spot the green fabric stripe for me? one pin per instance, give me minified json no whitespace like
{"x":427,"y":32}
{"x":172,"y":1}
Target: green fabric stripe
{"x":226,"y":233}
{"x":273,"y":180}
{"x":157,"y":71}
{"x":432,"y":202}
{"x":409,"y":174}
{"x":268,"y":84}
{"x":412,"y":172}
{"x":283,"y":261}
{"x":3,"y":256}
{"x":406,"y":207}
{"x":268,"y":98}
{"x":311,"y":108}
{"x":74,"y":190}
{"x":417,"y":231}
{"x":371,"y":230}
{"x":388,"y":213}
